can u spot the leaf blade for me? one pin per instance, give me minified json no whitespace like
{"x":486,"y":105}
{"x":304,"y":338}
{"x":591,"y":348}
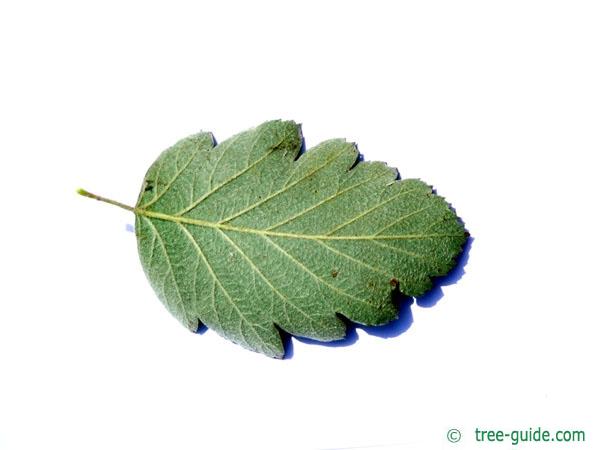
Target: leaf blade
{"x":287,"y":242}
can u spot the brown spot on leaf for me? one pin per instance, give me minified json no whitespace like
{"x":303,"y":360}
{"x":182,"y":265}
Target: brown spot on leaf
{"x":334,"y":273}
{"x":393,"y":283}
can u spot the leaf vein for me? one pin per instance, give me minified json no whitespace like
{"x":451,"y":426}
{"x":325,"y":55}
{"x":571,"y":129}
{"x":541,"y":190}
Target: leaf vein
{"x":370,"y":210}
{"x":401,"y":250}
{"x":230,"y":179}
{"x":227,"y":227}
{"x":286,"y":300}
{"x":227,"y":295}
{"x":322,"y":202}
{"x":172,"y":181}
{"x":170,"y":266}
{"x":282,"y":190}
{"x":357,"y":261}
{"x":314,"y":275}
{"x":402,"y":218}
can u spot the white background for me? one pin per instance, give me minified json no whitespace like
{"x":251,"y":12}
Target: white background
{"x":497,"y":104}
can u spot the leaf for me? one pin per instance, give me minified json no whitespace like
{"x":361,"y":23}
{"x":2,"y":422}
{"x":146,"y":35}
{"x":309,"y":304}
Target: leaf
{"x":249,"y":236}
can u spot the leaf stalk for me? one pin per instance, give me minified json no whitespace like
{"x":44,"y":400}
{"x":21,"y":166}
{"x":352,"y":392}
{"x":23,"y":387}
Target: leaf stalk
{"x":85,"y":193}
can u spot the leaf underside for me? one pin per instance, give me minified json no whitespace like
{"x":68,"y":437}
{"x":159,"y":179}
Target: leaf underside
{"x":249,"y":236}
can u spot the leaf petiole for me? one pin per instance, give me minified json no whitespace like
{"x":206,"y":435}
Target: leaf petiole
{"x":85,"y":193}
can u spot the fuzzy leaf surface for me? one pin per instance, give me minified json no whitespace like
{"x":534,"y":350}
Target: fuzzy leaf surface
{"x":249,"y":236}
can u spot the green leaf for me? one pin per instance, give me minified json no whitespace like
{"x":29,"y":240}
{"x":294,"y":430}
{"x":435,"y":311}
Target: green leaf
{"x":249,"y":236}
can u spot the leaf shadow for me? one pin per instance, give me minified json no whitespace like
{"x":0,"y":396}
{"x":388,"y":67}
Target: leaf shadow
{"x":403,"y":303}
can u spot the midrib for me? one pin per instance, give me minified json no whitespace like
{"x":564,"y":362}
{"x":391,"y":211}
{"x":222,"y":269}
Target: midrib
{"x":319,"y":237}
